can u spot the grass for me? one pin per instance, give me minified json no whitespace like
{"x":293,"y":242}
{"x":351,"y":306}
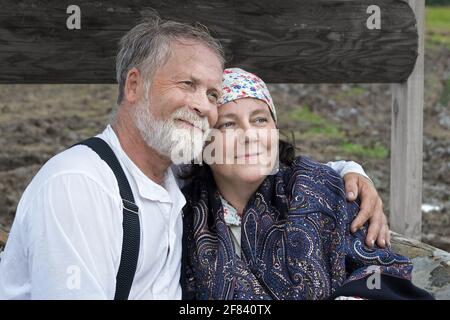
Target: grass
{"x":378,"y":151}
{"x":437,"y":39}
{"x":304,"y":113}
{"x":314,"y":124}
{"x":354,"y":92}
{"x":318,"y":128}
{"x":437,"y":23}
{"x":445,"y":96}
{"x":438,"y":19}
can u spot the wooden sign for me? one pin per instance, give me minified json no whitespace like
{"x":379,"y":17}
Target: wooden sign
{"x":75,"y":41}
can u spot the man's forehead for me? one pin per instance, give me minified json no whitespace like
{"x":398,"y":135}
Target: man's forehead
{"x":204,"y":73}
{"x":212,"y":76}
{"x":196,"y":58}
{"x":189,"y":49}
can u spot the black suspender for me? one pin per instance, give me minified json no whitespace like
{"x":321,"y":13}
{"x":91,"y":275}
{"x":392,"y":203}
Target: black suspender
{"x":131,"y":225}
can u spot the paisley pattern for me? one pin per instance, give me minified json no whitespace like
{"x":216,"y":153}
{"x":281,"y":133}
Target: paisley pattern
{"x":295,"y":239}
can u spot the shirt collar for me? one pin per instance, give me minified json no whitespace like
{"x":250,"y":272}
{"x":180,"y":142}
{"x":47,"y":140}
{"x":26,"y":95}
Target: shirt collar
{"x":230,"y":214}
{"x":147,"y":188}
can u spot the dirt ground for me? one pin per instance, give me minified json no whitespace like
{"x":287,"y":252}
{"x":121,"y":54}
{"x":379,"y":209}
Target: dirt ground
{"x":328,"y":122}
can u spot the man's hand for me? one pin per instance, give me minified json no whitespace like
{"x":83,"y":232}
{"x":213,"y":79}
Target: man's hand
{"x":371,"y":209}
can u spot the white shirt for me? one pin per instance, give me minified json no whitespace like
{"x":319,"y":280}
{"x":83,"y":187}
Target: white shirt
{"x":66,"y":239}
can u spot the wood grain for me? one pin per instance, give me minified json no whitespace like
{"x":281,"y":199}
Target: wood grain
{"x":282,"y":41}
{"x":407,"y":144}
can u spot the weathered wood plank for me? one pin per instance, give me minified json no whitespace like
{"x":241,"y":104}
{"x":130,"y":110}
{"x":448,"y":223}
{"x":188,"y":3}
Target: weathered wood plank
{"x":282,"y":41}
{"x":407,"y":144}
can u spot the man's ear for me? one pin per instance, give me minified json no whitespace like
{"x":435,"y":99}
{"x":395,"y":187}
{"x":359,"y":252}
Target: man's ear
{"x":133,"y":86}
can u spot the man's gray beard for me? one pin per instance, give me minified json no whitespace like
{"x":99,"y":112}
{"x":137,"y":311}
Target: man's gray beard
{"x":164,"y":136}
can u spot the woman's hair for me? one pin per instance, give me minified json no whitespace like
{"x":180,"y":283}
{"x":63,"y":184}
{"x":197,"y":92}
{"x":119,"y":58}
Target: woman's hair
{"x":287,"y":152}
{"x":286,"y":156}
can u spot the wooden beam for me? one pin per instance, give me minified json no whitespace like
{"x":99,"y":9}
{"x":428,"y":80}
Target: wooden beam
{"x":406,"y":143}
{"x":282,"y":41}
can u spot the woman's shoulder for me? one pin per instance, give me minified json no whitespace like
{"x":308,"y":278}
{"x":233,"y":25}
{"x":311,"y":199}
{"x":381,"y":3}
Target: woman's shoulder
{"x":190,"y":189}
{"x":198,"y":187}
{"x":314,"y":178}
{"x":307,"y":167}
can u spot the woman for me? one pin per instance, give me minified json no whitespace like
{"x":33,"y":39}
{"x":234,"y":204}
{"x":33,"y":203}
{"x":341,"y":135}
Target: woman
{"x":255,"y":230}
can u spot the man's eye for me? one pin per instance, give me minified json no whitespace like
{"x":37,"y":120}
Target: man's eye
{"x":187,"y":83}
{"x":213,"y":97}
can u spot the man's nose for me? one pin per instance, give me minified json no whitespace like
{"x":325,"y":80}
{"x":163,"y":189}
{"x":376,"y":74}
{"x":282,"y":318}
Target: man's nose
{"x":200,"y":104}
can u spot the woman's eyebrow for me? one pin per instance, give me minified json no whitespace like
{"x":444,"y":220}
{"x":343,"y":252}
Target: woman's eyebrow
{"x":264,"y":111}
{"x":228,"y":115}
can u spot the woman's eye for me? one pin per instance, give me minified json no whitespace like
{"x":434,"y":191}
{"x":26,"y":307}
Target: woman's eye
{"x":227,"y":125}
{"x":261,"y":120}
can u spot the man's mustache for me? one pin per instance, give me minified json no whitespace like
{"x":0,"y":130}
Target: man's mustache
{"x":191,"y":118}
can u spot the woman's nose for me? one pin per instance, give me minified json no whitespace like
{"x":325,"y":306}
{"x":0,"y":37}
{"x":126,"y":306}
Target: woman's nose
{"x":252,"y":135}
{"x":249,"y":134}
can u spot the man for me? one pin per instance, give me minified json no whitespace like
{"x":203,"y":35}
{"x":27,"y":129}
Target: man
{"x":66,"y":239}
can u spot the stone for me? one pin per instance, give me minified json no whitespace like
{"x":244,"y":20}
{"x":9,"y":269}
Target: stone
{"x":431,"y":265}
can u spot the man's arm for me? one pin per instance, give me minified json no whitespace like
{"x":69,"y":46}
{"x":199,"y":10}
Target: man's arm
{"x":343,"y":167}
{"x":73,"y":239}
{"x":357,"y":183}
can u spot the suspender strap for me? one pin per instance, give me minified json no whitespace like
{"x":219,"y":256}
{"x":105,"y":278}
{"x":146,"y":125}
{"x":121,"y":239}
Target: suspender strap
{"x":131,"y":226}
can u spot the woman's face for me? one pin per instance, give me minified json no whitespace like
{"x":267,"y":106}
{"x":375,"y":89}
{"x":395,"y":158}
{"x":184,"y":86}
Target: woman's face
{"x":246,"y":135}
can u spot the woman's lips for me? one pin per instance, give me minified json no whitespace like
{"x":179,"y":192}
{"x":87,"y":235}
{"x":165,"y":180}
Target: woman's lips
{"x":248,"y":156}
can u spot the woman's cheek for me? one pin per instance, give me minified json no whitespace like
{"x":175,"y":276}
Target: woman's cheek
{"x":227,"y":146}
{"x":221,"y":147}
{"x":265,"y":138}
{"x":270,"y":145}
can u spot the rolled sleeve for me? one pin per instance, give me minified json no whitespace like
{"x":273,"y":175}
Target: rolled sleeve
{"x":343,"y":167}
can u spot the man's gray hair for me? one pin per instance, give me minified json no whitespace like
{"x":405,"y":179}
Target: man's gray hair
{"x":147,"y":47}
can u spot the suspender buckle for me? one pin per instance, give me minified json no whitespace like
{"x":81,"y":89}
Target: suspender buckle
{"x":130,"y":206}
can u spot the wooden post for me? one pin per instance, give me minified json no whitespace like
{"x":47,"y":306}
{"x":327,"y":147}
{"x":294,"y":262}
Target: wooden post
{"x":407,"y":143}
